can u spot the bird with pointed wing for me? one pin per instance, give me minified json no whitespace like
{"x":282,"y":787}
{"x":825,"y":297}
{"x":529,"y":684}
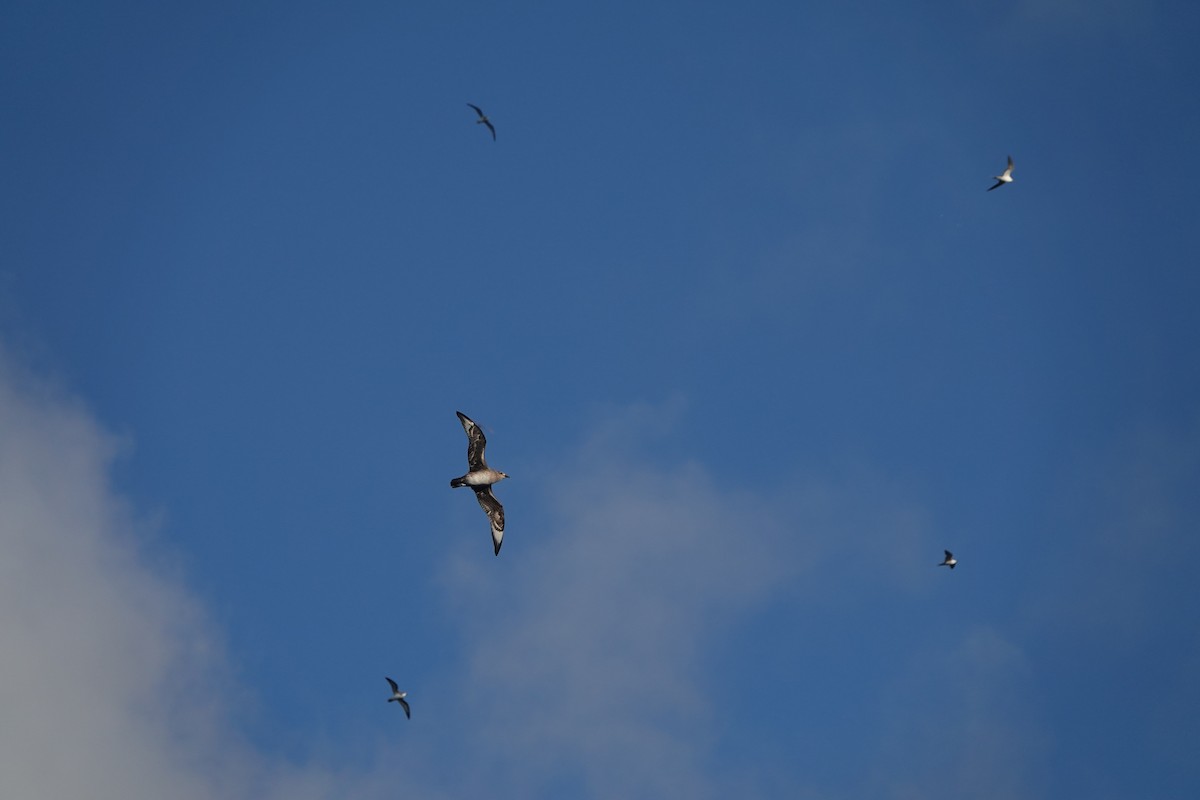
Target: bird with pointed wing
{"x":398,"y":697}
{"x":480,"y":478}
{"x":1004,"y":177}
{"x":483,"y":120}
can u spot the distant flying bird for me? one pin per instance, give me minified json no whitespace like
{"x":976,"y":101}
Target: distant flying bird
{"x":398,"y":696}
{"x":480,"y":478}
{"x":483,"y":120}
{"x":949,"y":560}
{"x":1004,"y":177}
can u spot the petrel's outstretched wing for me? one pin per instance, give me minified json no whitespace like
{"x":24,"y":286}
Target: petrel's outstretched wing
{"x":997,"y":186}
{"x":484,"y":119}
{"x":407,"y":711}
{"x":1008,"y":172}
{"x":475,"y":443}
{"x":949,"y":555}
{"x":392,"y":683}
{"x":495,"y":512}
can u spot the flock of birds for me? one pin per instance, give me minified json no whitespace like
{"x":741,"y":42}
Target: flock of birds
{"x":480,"y":477}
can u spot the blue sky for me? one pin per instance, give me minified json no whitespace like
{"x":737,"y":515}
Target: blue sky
{"x":738,"y":316}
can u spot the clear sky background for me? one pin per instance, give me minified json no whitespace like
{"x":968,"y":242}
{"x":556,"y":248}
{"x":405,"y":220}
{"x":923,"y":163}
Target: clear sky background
{"x":738,"y":315}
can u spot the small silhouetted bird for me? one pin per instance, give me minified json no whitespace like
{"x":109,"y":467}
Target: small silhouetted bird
{"x":483,"y":120}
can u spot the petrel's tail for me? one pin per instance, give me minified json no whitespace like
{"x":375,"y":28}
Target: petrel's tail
{"x":457,"y":482}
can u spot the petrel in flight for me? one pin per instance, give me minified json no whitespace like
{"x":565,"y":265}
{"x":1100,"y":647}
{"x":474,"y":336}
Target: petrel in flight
{"x":1004,"y":177}
{"x":399,"y":696}
{"x":949,"y":560}
{"x":483,"y":120}
{"x":480,"y":478}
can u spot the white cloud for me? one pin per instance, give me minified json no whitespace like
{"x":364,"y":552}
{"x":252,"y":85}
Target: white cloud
{"x":115,"y":684}
{"x":591,"y":655}
{"x":589,"y":670}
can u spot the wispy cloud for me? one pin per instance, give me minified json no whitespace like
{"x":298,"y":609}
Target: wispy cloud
{"x":1134,"y":497}
{"x":588,"y":670}
{"x":960,"y":720}
{"x":591,"y":660}
{"x":115,"y":683}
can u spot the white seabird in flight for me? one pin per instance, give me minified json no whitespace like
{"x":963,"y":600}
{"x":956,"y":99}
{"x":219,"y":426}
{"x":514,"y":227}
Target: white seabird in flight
{"x":480,"y":478}
{"x":398,"y":696}
{"x":1004,"y":177}
{"x":949,"y":560}
{"x":483,"y":120}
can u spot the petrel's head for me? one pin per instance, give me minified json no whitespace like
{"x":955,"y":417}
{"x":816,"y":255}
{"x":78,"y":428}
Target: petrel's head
{"x":503,"y":475}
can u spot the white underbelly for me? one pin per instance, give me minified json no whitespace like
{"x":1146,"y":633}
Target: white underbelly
{"x":483,"y":477}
